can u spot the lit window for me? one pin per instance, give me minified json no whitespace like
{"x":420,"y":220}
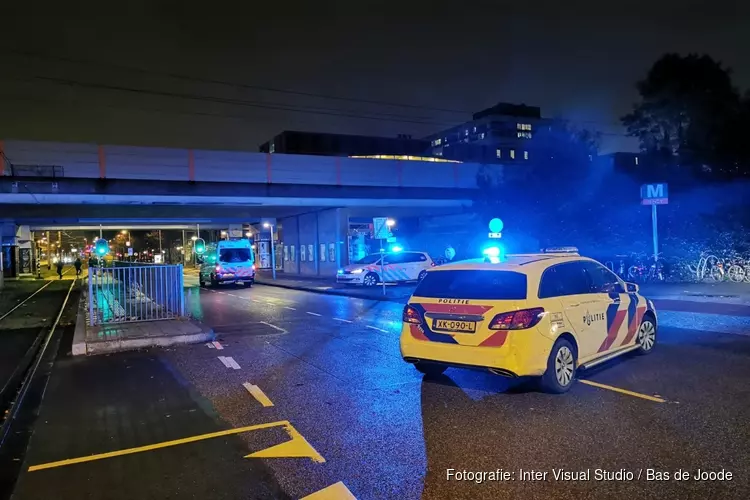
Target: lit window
{"x":636,"y":160}
{"x":466,"y":132}
{"x":523,"y":126}
{"x":437,"y":142}
{"x":273,"y":148}
{"x":524,"y":135}
{"x":512,"y":154}
{"x":475,"y":130}
{"x":481,"y":136}
{"x":525,"y":155}
{"x":499,"y":153}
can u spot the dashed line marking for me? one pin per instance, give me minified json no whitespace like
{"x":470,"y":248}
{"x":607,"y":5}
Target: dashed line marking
{"x":337,"y":491}
{"x":376,"y":328}
{"x":210,"y":345}
{"x":312,"y":313}
{"x":258,"y":394}
{"x":342,"y":319}
{"x":290,"y":308}
{"x":274,"y":327}
{"x":229,"y":362}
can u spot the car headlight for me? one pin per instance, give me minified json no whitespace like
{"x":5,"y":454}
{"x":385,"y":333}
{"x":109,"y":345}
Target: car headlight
{"x":357,"y":271}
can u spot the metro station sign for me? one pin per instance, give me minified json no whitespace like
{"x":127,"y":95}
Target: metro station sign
{"x":655,"y":194}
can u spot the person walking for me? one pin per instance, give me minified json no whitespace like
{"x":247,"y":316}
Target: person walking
{"x":60,"y":268}
{"x":78,"y":265}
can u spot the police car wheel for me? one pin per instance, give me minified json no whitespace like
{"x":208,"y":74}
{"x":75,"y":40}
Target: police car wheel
{"x":422,"y":275}
{"x":561,"y":368}
{"x":370,"y":280}
{"x":646,"y":336}
{"x":429,"y":369}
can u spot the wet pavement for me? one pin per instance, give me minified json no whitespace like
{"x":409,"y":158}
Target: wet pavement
{"x":330,"y":368}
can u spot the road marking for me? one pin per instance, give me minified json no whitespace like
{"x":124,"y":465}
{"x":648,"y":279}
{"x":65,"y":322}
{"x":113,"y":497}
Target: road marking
{"x":218,"y":345}
{"x":297,"y":450}
{"x":337,"y":491}
{"x":258,"y":394}
{"x":255,"y":300}
{"x":341,"y":319}
{"x":312,"y":313}
{"x":623,"y":391}
{"x":210,"y":345}
{"x":229,"y":362}
{"x":297,"y":447}
{"x":290,"y":308}
{"x":376,"y":328}
{"x":223,"y":293}
{"x":274,"y":326}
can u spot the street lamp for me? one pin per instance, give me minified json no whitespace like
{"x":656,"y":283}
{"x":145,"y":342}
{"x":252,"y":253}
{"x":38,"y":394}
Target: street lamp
{"x":269,"y":226}
{"x":390,"y":222}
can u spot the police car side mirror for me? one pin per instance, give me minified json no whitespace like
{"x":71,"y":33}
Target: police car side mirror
{"x":632,"y":287}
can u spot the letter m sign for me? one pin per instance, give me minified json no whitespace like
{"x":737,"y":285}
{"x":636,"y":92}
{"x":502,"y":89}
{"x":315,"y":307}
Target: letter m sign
{"x":654,"y":194}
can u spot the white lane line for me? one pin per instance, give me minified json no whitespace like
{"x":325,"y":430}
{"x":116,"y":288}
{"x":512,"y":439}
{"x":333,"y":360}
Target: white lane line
{"x":290,"y":308}
{"x":376,"y":328}
{"x":233,"y":363}
{"x":342,"y":319}
{"x":312,"y":313}
{"x":258,"y":394}
{"x":274,"y":327}
{"x":223,"y":293}
{"x":218,"y":345}
{"x":255,"y":300}
{"x":210,"y":345}
{"x":225,"y":361}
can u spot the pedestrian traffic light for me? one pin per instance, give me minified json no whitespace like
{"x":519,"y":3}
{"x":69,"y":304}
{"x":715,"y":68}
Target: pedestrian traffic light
{"x":102,"y":247}
{"x":200,"y":246}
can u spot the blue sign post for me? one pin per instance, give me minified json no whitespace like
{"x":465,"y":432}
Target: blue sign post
{"x":655,"y":194}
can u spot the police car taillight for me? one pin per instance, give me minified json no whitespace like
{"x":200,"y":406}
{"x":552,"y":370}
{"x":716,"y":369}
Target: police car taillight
{"x":517,"y":320}
{"x":411,"y":315}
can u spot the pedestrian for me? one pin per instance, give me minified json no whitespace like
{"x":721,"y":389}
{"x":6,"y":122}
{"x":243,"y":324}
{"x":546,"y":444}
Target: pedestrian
{"x":60,"y":268}
{"x":78,"y":265}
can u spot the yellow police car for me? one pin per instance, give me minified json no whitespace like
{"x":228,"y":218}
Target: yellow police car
{"x":544,"y":315}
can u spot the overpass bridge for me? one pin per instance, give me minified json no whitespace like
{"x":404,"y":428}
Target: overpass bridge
{"x":52,"y":184}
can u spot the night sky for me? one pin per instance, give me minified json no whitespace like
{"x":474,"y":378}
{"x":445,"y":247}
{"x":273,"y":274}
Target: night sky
{"x":577,"y":59}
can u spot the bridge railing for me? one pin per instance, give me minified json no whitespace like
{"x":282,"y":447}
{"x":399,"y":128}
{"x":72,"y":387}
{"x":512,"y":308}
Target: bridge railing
{"x":142,"y":163}
{"x":135,"y":293}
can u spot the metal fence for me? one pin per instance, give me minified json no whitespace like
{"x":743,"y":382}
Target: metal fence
{"x":148,"y":292}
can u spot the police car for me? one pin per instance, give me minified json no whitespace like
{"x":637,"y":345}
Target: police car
{"x":544,"y":315}
{"x":398,"y":266}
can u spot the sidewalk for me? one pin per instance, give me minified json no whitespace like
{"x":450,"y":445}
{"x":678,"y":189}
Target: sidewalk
{"x":721,"y":293}
{"x":328,"y":286}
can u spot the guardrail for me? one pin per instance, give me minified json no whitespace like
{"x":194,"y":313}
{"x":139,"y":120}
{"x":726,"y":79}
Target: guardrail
{"x":136,"y":293}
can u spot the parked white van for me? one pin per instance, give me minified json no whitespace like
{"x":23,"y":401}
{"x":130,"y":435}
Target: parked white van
{"x":228,"y":261}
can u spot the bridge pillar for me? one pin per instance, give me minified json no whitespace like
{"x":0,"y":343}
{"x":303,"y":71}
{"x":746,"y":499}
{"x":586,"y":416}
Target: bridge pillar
{"x":315,"y":243}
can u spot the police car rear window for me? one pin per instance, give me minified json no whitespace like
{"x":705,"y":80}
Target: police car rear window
{"x":473,"y":284}
{"x":234,"y":255}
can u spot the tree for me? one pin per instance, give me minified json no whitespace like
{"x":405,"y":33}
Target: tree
{"x":152,"y":239}
{"x":685,"y":107}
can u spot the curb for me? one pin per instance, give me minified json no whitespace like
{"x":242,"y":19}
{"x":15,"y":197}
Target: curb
{"x":334,"y":292}
{"x":79,"y":334}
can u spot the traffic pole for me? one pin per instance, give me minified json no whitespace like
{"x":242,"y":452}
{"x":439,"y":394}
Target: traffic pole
{"x":655,"y":232}
{"x":382,"y":262}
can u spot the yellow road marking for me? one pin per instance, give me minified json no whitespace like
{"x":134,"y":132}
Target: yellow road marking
{"x":337,"y":491}
{"x":297,"y":447}
{"x":258,"y":394}
{"x":623,"y":391}
{"x":192,"y":439}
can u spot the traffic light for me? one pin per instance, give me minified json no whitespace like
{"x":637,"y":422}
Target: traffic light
{"x":200,"y":246}
{"x":102,"y":247}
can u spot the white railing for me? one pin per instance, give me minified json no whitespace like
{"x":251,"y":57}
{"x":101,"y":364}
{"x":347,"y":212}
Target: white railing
{"x":128,"y":293}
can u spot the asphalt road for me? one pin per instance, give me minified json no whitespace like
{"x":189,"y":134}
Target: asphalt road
{"x":358,"y":415}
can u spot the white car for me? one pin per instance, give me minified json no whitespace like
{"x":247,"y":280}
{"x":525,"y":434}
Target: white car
{"x":397,"y":267}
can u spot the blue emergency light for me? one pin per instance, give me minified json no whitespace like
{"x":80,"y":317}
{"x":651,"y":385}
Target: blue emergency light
{"x":396,"y":248}
{"x":494,"y":254}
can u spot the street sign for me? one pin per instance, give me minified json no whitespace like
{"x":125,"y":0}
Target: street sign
{"x":130,"y":251}
{"x":380,"y":228}
{"x":392,"y":239}
{"x":495,"y":235}
{"x":235,"y":230}
{"x":655,"y":194}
